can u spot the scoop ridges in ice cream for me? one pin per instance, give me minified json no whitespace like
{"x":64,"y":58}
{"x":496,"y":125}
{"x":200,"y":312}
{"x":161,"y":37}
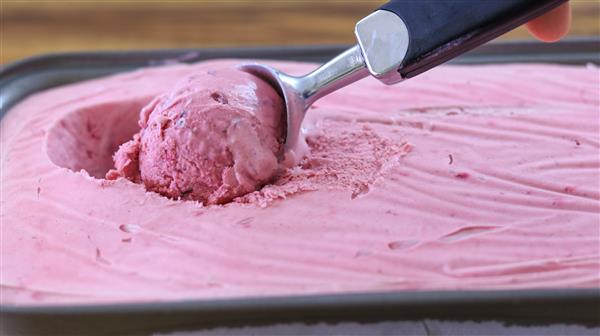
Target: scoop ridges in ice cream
{"x":214,"y":136}
{"x":465,"y":177}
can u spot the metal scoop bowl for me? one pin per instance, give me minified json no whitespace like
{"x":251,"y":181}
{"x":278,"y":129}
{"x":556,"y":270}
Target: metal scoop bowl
{"x":299,"y":93}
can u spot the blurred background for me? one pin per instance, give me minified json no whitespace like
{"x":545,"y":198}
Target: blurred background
{"x":37,"y":27}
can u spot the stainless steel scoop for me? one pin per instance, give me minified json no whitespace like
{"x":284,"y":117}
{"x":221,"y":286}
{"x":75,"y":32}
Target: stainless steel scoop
{"x":400,"y":40}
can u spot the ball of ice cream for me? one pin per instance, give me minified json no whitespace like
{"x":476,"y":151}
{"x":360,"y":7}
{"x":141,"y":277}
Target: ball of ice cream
{"x":215,"y":136}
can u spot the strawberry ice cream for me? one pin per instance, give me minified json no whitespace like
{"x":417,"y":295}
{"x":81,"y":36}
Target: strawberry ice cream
{"x":214,"y":136}
{"x":465,"y":177}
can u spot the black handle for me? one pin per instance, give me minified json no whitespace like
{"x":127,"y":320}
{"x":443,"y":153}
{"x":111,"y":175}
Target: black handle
{"x":440,"y":30}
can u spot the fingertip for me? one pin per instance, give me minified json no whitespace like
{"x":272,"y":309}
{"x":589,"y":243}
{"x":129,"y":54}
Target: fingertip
{"x":553,"y":25}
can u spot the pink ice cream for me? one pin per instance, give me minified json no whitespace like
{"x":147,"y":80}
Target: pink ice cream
{"x":465,"y":177}
{"x":214,"y":136}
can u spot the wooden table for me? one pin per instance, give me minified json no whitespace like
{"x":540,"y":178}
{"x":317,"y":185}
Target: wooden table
{"x":37,"y":27}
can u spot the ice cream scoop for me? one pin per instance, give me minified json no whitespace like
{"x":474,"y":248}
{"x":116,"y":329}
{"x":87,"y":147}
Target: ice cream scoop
{"x":400,"y":40}
{"x":215,"y":135}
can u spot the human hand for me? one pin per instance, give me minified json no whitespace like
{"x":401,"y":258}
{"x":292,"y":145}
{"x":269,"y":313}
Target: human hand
{"x":551,"y":26}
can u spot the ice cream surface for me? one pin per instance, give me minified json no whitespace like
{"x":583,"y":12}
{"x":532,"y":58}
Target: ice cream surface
{"x":466,"y":177}
{"x":214,"y":136}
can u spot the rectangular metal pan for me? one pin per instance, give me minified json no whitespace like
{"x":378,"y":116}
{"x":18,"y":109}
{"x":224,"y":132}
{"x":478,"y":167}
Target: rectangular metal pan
{"x":560,"y":305}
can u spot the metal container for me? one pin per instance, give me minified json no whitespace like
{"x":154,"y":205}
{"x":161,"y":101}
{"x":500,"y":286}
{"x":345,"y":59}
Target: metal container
{"x":20,"y":79}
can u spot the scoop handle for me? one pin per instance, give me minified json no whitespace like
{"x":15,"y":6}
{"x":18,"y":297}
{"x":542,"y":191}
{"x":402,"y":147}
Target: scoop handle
{"x":440,"y":30}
